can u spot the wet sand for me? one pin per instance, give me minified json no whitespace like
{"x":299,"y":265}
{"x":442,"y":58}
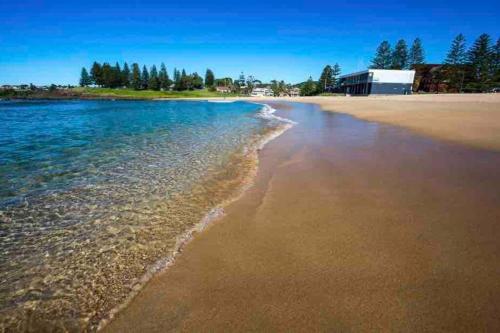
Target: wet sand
{"x":351,"y":226}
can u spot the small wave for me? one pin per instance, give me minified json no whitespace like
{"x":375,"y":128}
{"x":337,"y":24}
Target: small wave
{"x":220,"y":101}
{"x":267,"y":112}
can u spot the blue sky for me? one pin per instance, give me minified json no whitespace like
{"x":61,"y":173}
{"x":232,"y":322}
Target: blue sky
{"x":48,"y":41}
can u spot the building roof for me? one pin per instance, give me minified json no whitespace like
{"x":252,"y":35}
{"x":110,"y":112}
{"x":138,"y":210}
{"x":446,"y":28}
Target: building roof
{"x":372,"y":70}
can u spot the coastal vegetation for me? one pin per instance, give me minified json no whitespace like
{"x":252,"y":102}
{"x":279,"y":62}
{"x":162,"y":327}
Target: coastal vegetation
{"x":476,"y":69}
{"x":465,"y":69}
{"x":146,"y":94}
{"x":400,"y":57}
{"x":107,"y":76}
{"x":65,"y":92}
{"x":328,"y":78}
{"x":327,"y":84}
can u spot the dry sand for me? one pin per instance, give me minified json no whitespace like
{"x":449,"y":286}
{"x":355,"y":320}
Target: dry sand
{"x":473,"y":119}
{"x":351,"y":226}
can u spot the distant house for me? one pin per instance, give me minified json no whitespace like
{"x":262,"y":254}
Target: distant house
{"x":222,"y":89}
{"x":261,"y":92}
{"x":294,"y":92}
{"x":378,"y":81}
{"x":12,"y":87}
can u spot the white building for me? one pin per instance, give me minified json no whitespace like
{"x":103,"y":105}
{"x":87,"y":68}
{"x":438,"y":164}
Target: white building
{"x":378,"y":81}
{"x":261,"y":92}
{"x":294,"y":92}
{"x":224,"y":90}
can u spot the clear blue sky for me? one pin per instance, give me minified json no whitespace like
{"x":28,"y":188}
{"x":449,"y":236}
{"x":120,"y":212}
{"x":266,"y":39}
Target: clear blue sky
{"x":49,"y":41}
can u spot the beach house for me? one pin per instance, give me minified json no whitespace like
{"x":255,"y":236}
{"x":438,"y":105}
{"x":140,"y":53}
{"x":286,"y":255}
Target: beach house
{"x":261,"y":92}
{"x":294,"y":92}
{"x":223,"y":89}
{"x":378,"y":81}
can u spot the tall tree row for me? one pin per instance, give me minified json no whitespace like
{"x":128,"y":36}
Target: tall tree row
{"x":400,"y":57}
{"x":107,"y":76}
{"x":476,"y":68}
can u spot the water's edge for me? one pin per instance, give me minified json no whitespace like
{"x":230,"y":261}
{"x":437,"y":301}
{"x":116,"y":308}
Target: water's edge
{"x":217,"y":212}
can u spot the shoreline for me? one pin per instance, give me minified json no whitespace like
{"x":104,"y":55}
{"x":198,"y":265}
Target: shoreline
{"x":211,"y":217}
{"x":471,"y":119}
{"x":198,"y":208}
{"x":209,"y":274}
{"x":332,"y":104}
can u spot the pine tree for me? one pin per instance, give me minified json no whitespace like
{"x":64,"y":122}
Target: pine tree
{"x":326,"y":79}
{"x":383,"y":57}
{"x":145,"y":77}
{"x":196,"y":81}
{"x":416,"y":56}
{"x":126,"y":75}
{"x":136,"y":81}
{"x":116,"y":76}
{"x":400,"y":55}
{"x":163,"y":77}
{"x":496,"y":63}
{"x":154,"y":82}
{"x":184,"y":81}
{"x":308,"y":88}
{"x":457,"y":54}
{"x":106,"y":75}
{"x":335,"y":74}
{"x":454,"y":69}
{"x":177,"y":79}
{"x":480,"y":57}
{"x":209,"y":78}
{"x":85,"y":78}
{"x":96,"y":74}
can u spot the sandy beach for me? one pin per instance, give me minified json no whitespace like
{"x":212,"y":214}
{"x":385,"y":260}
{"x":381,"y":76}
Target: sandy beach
{"x":472,"y":119}
{"x":350,"y":226}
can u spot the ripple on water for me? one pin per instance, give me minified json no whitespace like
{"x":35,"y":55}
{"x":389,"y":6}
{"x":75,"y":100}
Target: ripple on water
{"x":85,"y":219}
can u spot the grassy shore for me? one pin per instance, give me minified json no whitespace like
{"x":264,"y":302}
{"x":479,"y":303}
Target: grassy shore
{"x":106,"y":93}
{"x":147,"y":94}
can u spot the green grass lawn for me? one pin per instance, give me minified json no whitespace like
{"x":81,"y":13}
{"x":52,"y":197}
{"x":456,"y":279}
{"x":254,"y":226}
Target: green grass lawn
{"x":147,"y":94}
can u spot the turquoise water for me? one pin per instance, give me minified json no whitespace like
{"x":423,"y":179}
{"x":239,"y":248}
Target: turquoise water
{"x":94,"y":193}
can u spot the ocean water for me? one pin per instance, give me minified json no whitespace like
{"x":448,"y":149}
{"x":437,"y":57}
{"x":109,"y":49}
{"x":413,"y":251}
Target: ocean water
{"x":97,"y":195}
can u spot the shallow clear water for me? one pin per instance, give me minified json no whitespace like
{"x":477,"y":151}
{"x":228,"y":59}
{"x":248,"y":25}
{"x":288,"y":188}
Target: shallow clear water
{"x":93,"y":193}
